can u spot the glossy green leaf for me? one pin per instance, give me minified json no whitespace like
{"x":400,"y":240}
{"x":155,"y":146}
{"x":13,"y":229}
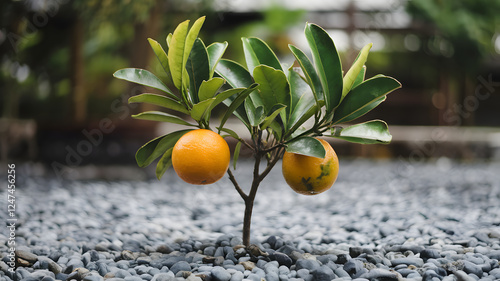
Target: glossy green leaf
{"x":234,"y":73}
{"x":143,"y":77}
{"x":236,"y":154}
{"x":273,"y":86}
{"x":301,"y":111}
{"x":360,"y":78}
{"x":164,"y":163}
{"x":161,"y":116}
{"x":169,"y":39}
{"x":215,"y":53}
{"x":255,"y":114}
{"x":198,"y":69}
{"x":238,"y":77}
{"x":277,"y":129}
{"x":225,"y":95}
{"x":159,"y":100}
{"x":362,"y":97}
{"x":156,"y":147}
{"x":235,"y":103}
{"x":298,"y":88}
{"x":230,"y":132}
{"x":192,"y":37}
{"x":327,"y":63}
{"x":257,"y":52}
{"x":306,"y":146}
{"x":362,"y":111}
{"x":161,"y":56}
{"x":200,"y":109}
{"x":310,"y":73}
{"x":176,"y":53}
{"x":355,"y":69}
{"x":370,"y":132}
{"x":209,"y":88}
{"x":277,"y":109}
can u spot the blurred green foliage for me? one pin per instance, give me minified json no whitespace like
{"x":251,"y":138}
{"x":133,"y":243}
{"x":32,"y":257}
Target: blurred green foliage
{"x":466,"y":27}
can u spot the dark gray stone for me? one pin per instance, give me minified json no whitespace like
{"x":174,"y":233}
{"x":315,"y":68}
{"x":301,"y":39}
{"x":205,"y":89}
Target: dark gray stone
{"x":323,"y":273}
{"x":418,"y":262}
{"x":469,"y":267}
{"x":307,"y":264}
{"x":180,"y":266}
{"x":429,"y":254}
{"x":283,"y":259}
{"x":353,"y":267}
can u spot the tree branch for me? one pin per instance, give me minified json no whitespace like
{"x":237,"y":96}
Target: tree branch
{"x":236,"y":185}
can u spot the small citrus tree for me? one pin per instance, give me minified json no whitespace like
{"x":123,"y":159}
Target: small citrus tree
{"x":271,"y":101}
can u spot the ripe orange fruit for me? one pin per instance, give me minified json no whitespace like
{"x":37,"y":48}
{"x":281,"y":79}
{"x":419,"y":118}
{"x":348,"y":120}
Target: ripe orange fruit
{"x":311,"y":175}
{"x":201,"y":157}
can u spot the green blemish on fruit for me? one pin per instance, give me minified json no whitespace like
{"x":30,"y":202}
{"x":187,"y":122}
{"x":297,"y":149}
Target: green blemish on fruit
{"x":325,"y":170}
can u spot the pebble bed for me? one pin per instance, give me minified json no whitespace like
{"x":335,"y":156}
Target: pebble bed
{"x":390,"y":220}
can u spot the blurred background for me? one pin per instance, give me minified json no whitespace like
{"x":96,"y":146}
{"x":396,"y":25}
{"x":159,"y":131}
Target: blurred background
{"x":62,"y":110}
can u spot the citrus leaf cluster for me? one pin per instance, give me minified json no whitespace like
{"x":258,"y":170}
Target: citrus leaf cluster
{"x":283,"y":108}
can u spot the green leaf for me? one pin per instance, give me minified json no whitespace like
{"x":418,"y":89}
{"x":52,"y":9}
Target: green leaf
{"x":236,"y":154}
{"x":159,"y":100}
{"x":355,"y":69}
{"x":305,"y":108}
{"x":200,"y":109}
{"x":257,"y":52}
{"x":306,"y":146}
{"x":364,"y":110}
{"x":143,"y":77}
{"x":273,"y":86}
{"x":225,"y":95}
{"x":360,"y":78}
{"x":162,"y":117}
{"x":235,"y":104}
{"x":234,"y":73}
{"x":277,"y":109}
{"x":361,"y":98}
{"x":209,"y":88}
{"x":230,"y":132}
{"x":327,"y":63}
{"x":298,"y":88}
{"x":176,"y":53}
{"x":169,"y":39}
{"x":238,"y":77}
{"x":310,"y":73}
{"x":191,"y":38}
{"x":375,"y":131}
{"x":215,"y":52}
{"x":255,"y":114}
{"x":198,"y":69}
{"x":277,"y":129}
{"x":164,"y":163}
{"x":156,"y":147}
{"x":161,"y":56}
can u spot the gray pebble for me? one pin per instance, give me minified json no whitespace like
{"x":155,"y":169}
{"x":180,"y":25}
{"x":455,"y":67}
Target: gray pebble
{"x":180,"y":266}
{"x":418,"y":262}
{"x":323,"y":273}
{"x":220,"y":274}
{"x":308,"y":264}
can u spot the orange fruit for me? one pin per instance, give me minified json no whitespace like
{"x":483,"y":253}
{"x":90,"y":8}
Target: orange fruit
{"x":310,"y":175}
{"x":201,"y":157}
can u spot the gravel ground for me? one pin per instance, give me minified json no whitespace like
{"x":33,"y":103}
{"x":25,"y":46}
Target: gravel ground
{"x":381,"y":221}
